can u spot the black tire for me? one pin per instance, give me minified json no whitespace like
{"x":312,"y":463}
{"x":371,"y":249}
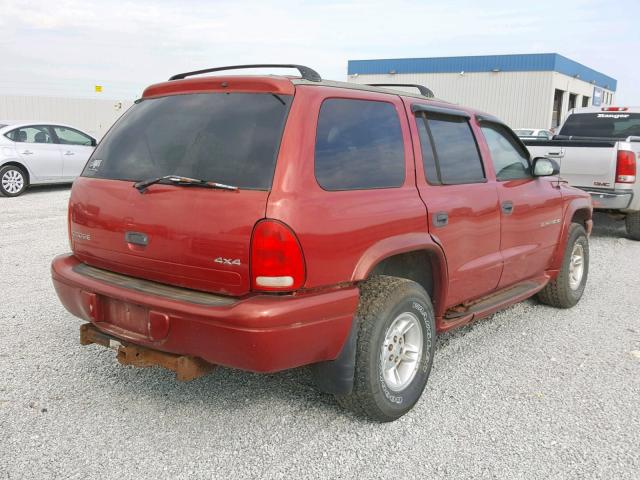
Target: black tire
{"x":632,"y":222}
{"x":559,"y":293}
{"x":13,"y":171}
{"x":382,"y":300}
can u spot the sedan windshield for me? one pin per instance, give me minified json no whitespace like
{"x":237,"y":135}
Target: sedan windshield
{"x":523,"y":133}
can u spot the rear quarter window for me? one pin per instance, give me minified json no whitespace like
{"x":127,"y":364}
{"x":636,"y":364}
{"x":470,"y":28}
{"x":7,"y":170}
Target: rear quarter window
{"x":359,"y":145}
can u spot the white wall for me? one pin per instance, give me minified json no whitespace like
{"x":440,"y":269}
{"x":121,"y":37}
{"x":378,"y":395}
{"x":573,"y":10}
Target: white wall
{"x":580,"y":88}
{"x":93,"y":115}
{"x":520,"y":99}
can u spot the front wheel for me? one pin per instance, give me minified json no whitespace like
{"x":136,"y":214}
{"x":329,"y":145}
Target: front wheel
{"x":13,"y":181}
{"x":566,"y":290}
{"x":395,"y":347}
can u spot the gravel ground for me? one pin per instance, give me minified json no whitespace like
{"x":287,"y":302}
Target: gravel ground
{"x":531,"y":392}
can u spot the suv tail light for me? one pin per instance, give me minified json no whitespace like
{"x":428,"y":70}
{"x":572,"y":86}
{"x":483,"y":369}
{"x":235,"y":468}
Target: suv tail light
{"x":626,"y":167}
{"x":277,"y":263}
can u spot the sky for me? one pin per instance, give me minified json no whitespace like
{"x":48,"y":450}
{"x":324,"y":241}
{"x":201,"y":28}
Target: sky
{"x":66,"y":47}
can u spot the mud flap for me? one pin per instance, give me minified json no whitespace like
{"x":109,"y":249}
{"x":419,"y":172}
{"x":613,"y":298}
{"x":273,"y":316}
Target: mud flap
{"x":336,"y":376}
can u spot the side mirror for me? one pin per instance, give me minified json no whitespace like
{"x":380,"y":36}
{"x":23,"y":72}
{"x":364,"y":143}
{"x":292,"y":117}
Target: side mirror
{"x":545,"y":167}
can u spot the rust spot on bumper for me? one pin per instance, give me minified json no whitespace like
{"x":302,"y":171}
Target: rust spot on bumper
{"x":186,"y":367}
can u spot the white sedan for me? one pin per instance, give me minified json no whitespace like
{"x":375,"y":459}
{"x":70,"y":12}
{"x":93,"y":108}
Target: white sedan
{"x":539,"y":133}
{"x":37,"y":153}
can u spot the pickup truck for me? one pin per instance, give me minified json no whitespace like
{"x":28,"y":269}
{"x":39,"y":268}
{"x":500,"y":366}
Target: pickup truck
{"x":598,"y":149}
{"x":269,"y":222}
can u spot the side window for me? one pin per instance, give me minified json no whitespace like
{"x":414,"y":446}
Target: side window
{"x":455,"y":153}
{"x":35,"y":134}
{"x":359,"y":146}
{"x":69,"y":136}
{"x":428,"y":157}
{"x":509,"y":159}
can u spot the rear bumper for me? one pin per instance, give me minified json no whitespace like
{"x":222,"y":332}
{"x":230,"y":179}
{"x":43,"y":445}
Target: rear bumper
{"x":261,"y":333}
{"x":611,"y":200}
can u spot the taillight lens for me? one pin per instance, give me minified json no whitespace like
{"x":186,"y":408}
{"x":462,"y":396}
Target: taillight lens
{"x":626,"y":167}
{"x":69,"y":218}
{"x":277,"y":263}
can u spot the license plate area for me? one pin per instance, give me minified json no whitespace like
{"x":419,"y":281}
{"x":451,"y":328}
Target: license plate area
{"x":127,"y":316}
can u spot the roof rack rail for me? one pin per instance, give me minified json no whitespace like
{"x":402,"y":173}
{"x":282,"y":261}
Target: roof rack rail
{"x":306,"y":72}
{"x":424,"y":91}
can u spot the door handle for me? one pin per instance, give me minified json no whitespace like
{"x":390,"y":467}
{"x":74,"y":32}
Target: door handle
{"x":69,"y":153}
{"x":507,"y":207}
{"x":136,"y":238}
{"x":440,"y":219}
{"x":554,"y":154}
{"x":27,"y":152}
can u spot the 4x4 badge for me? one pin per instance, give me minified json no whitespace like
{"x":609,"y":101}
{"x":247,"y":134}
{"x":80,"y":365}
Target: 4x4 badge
{"x":227,"y":261}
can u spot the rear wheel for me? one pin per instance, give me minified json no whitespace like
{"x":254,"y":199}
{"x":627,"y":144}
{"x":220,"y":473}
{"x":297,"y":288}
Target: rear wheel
{"x":632,"y":222}
{"x":395,"y":347}
{"x":13,"y":181}
{"x":566,"y":290}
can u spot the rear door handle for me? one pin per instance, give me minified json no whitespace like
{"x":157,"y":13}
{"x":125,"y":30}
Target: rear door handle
{"x":69,"y":153}
{"x":27,"y":152}
{"x":507,"y":207}
{"x":440,"y":219}
{"x":136,"y":238}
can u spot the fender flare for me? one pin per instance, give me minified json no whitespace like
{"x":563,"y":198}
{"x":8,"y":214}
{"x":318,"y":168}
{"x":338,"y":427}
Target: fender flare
{"x":575,"y":204}
{"x":407,"y":242}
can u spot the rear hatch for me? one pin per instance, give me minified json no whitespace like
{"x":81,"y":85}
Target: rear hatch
{"x":589,"y":143}
{"x":184,"y":235}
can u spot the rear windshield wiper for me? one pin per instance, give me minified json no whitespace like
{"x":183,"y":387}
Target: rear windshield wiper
{"x":142,"y":185}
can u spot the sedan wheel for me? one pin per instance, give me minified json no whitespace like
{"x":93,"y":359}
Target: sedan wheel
{"x":12,"y":181}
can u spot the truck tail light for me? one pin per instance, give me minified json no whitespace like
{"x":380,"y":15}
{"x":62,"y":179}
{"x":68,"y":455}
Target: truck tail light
{"x":626,"y":167}
{"x":614,"y":109}
{"x":277,"y":263}
{"x":69,"y":219}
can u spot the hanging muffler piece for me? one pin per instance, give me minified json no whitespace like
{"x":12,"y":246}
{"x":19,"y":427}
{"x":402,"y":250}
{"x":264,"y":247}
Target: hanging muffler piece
{"x":186,"y":367}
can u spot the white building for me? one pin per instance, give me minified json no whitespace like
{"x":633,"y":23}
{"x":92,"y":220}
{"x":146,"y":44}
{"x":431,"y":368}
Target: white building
{"x":93,"y":115}
{"x":532,"y":90}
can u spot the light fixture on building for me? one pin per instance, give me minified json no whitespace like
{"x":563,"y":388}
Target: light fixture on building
{"x":462,"y":73}
{"x":495,"y":70}
{"x":392,"y":72}
{"x":577,"y":75}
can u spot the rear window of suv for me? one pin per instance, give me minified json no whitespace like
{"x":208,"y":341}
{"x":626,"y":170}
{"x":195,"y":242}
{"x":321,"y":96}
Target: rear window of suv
{"x":230,"y":138}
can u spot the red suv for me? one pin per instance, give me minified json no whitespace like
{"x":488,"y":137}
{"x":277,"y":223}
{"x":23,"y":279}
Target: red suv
{"x":269,"y":222}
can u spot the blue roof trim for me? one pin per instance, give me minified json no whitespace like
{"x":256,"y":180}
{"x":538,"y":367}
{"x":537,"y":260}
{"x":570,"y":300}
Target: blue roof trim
{"x":547,"y":62}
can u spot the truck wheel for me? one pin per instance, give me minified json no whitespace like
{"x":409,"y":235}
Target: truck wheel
{"x":394,"y":350}
{"x":565,"y":291}
{"x":632,"y":223}
{"x":13,"y":181}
